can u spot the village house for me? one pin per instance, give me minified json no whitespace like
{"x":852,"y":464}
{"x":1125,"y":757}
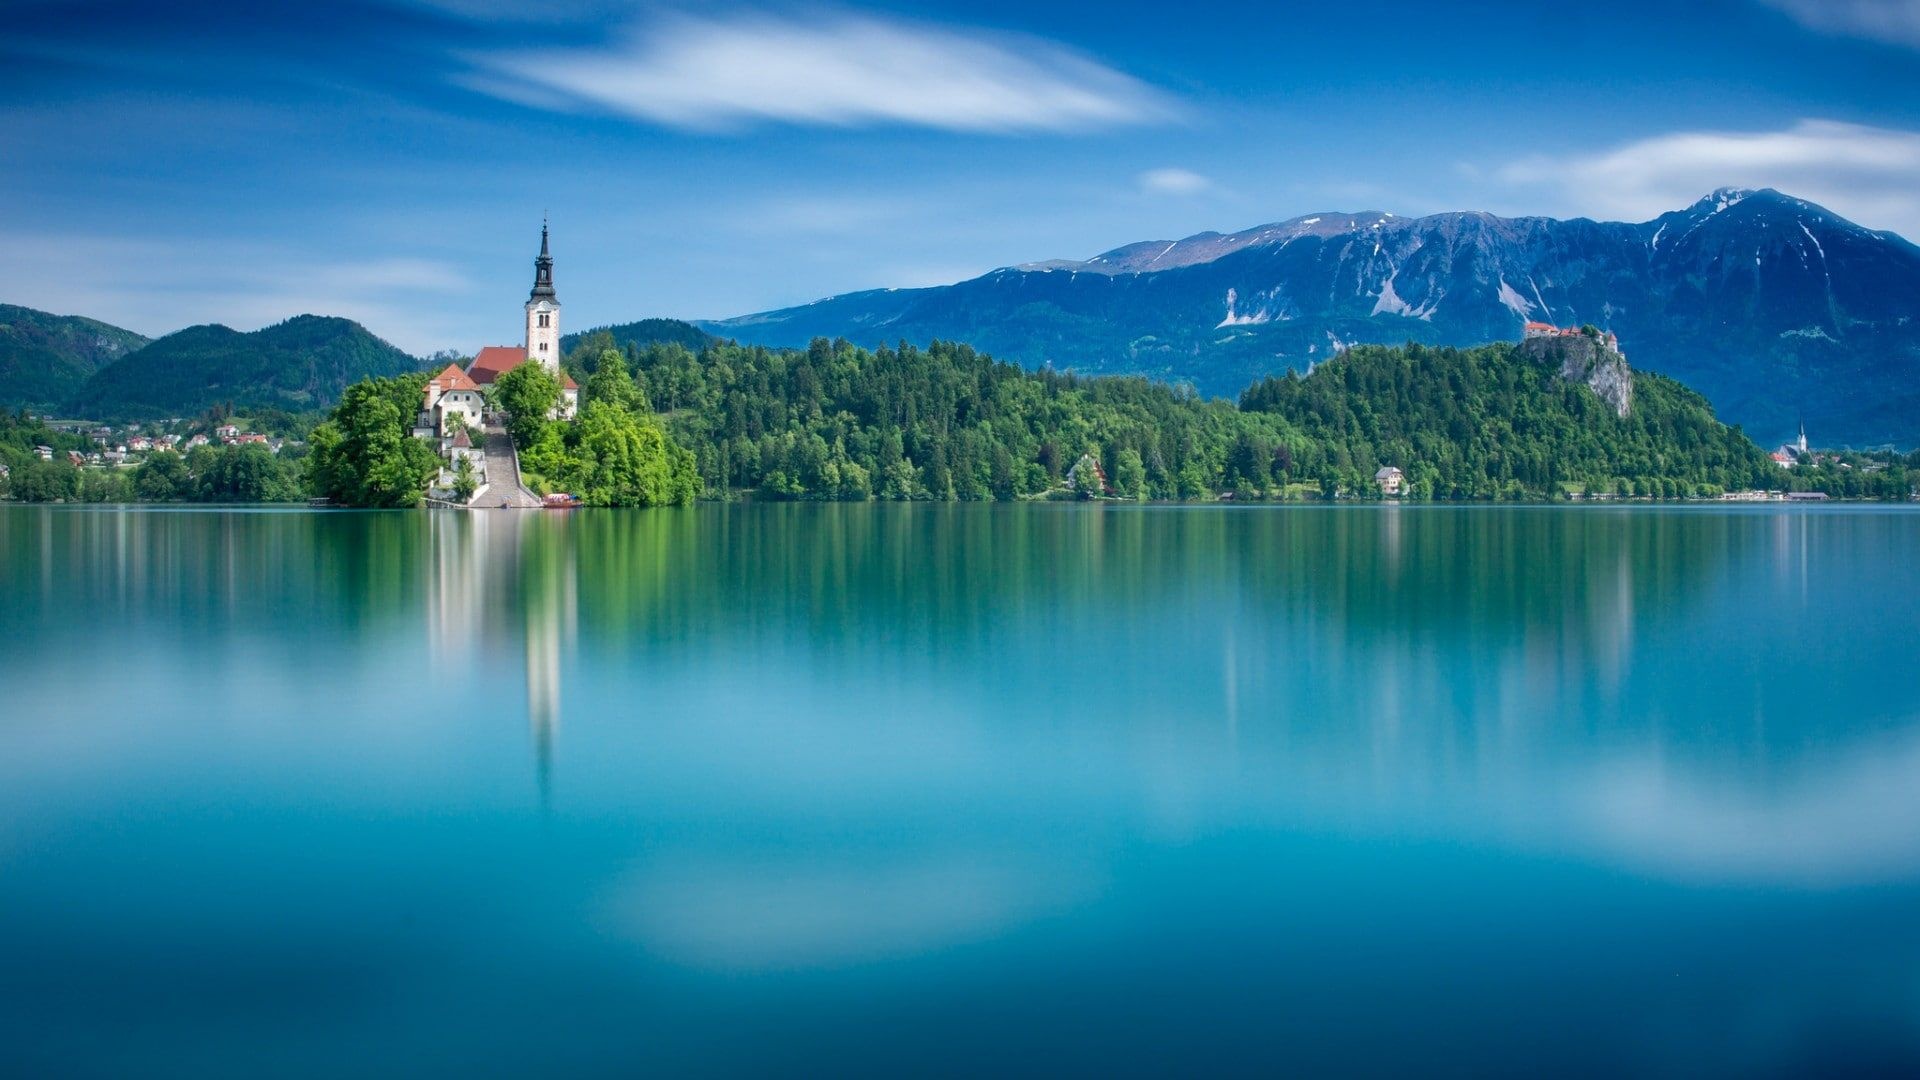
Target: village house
{"x":1087,"y":477}
{"x":44,"y":453}
{"x":227,"y":432}
{"x":450,"y":395}
{"x":1391,"y":480}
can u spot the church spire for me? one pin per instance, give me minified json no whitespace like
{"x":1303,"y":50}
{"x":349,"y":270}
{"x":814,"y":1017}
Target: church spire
{"x":543,"y":268}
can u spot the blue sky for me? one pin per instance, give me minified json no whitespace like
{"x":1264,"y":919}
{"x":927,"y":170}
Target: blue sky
{"x":165,"y":165}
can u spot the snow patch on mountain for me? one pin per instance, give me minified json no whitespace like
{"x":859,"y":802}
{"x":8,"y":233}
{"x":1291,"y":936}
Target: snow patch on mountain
{"x":1250,"y":318}
{"x":1389,"y":302}
{"x":1518,"y":304}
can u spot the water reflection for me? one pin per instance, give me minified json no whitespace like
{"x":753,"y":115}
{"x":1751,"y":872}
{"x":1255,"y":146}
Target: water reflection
{"x":503,"y":563}
{"x":1076,"y":754}
{"x":1409,"y":660}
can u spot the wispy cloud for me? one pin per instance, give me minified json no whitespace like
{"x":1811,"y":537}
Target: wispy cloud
{"x":1869,"y":174}
{"x":1173,"y":181}
{"x":717,"y":73}
{"x":1895,"y":22}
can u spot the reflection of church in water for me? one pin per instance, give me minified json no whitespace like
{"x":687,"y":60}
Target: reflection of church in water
{"x":498,"y":577}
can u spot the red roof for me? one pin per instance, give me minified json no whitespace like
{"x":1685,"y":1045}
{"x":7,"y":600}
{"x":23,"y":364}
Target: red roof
{"x":454,"y":379}
{"x":1541,"y":326}
{"x":461,"y":440}
{"x":495,"y":361}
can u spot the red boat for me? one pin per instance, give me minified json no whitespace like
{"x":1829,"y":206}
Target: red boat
{"x":560,"y":500}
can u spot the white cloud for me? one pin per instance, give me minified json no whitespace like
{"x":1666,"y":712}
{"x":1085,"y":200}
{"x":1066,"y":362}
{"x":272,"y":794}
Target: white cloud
{"x":1869,"y":174}
{"x":1895,"y":22}
{"x":1173,"y":182}
{"x":719,"y":73}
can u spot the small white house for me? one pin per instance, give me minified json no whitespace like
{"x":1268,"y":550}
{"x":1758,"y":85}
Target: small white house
{"x":450,"y":394}
{"x":1391,"y":480}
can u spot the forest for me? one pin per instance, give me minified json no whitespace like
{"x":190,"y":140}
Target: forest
{"x":1491,"y":423}
{"x":660,"y":423}
{"x":835,"y":421}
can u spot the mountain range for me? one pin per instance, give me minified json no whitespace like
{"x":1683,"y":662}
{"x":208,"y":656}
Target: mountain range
{"x":1776,"y":309}
{"x":46,"y":359}
{"x":80,"y":366}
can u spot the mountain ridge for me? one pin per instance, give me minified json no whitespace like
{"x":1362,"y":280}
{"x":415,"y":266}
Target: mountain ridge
{"x":299,"y":364}
{"x":1772,"y":306}
{"x":46,"y":358}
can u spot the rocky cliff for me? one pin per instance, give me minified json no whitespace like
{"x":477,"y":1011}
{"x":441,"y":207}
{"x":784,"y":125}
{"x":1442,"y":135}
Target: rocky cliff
{"x":1583,"y":358}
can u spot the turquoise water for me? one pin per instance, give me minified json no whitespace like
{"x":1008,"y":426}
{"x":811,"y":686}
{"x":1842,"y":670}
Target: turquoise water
{"x":830,"y":790}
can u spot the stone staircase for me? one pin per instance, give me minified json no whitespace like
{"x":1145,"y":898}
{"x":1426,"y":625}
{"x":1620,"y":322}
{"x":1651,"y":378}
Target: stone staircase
{"x":503,"y":473}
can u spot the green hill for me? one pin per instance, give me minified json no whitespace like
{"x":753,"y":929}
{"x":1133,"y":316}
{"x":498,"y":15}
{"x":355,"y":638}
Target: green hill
{"x":643,"y":332}
{"x":302,"y":364}
{"x":839,"y":421}
{"x":45,"y":359}
{"x":1501,"y":421}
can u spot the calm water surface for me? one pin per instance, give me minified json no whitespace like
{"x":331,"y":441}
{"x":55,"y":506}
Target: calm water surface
{"x":901,"y":790}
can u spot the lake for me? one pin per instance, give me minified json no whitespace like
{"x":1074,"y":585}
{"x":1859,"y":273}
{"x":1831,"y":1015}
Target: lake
{"x":902,"y":790}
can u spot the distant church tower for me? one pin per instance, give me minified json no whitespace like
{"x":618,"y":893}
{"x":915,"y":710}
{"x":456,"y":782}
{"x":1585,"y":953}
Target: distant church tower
{"x":1801,"y":443}
{"x":543,"y":311}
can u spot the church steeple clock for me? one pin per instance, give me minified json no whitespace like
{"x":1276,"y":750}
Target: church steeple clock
{"x":543,"y":311}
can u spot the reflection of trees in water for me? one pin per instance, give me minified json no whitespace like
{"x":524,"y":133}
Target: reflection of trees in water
{"x":1436,"y":632}
{"x":1457,"y":631}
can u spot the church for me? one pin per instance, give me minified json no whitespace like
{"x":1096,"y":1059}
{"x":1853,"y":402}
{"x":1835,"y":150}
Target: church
{"x":456,"y":393}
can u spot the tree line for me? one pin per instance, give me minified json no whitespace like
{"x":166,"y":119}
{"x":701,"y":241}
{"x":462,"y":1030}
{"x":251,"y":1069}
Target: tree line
{"x":660,"y":423}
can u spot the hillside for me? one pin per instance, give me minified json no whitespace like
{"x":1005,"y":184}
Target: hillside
{"x":1504,"y":420}
{"x":45,"y":358}
{"x":643,"y":332}
{"x":947,"y":422}
{"x":1772,"y":307}
{"x":301,"y":364}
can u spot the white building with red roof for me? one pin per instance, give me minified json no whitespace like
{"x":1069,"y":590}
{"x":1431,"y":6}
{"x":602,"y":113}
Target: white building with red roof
{"x":451,"y":394}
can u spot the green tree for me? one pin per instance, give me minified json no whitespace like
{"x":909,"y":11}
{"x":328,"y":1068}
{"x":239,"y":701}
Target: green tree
{"x":1130,"y":475}
{"x":630,"y":460}
{"x":162,"y":477}
{"x":529,"y":394}
{"x":364,"y":455}
{"x":244,"y":474}
{"x":611,"y":385}
{"x":464,"y":484}
{"x":46,"y":481}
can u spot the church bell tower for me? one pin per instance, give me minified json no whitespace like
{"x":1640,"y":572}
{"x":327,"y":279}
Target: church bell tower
{"x":543,"y":311}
